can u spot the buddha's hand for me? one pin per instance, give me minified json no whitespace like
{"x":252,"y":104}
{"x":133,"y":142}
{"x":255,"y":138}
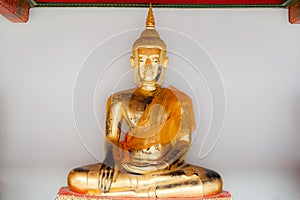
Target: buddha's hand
{"x":106,"y":177}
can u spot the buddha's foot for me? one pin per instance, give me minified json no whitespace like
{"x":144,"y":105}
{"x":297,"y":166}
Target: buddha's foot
{"x":184,"y":181}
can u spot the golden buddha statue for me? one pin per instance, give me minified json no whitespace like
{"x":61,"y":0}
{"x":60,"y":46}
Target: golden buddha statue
{"x":148,"y":159}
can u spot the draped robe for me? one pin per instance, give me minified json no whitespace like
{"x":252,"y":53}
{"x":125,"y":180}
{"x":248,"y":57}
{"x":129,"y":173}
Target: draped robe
{"x":168,"y":117}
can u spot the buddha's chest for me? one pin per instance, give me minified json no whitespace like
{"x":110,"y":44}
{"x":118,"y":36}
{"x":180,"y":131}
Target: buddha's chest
{"x":135,"y":108}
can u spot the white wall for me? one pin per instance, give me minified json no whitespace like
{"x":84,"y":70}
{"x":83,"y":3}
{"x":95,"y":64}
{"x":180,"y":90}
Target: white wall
{"x":255,"y":50}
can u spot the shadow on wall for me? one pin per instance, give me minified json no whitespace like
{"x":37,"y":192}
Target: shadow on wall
{"x":7,"y":188}
{"x":3,"y":186}
{"x":6,"y":191}
{"x":2,"y":189}
{"x":2,"y":143}
{"x":297,"y":132}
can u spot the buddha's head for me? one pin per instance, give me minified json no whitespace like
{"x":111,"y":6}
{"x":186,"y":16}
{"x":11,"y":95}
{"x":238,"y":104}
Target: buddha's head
{"x":149,"y":54}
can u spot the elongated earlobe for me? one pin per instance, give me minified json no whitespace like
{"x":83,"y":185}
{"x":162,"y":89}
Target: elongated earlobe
{"x":162,"y":75}
{"x":164,"y":66}
{"x":135,"y":75}
{"x":132,"y":62}
{"x":131,"y":59}
{"x":165,"y":62}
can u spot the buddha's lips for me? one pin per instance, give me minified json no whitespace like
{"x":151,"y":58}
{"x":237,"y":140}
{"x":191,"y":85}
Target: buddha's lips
{"x":147,"y":73}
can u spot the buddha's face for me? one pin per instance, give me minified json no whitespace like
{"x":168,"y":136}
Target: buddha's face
{"x":148,"y":64}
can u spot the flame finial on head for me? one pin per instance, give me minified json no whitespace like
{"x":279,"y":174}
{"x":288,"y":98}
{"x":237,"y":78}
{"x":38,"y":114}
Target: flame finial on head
{"x":150,"y":23}
{"x":149,"y":38}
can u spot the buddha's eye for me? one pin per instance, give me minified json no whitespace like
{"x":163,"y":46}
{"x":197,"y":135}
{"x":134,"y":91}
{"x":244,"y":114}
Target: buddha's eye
{"x":155,"y":60}
{"x":142,"y":60}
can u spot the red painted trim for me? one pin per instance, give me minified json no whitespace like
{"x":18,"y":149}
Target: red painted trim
{"x":204,"y":2}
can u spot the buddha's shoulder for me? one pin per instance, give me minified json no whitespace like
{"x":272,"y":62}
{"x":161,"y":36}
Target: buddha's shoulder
{"x":178,"y":93}
{"x":120,"y":96}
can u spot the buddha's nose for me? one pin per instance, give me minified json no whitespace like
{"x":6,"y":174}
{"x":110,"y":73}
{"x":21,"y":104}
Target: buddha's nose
{"x":148,"y":65}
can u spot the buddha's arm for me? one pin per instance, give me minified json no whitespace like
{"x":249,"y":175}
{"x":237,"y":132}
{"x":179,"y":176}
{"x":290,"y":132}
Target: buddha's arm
{"x":113,"y":130}
{"x":181,"y":145}
{"x":112,"y":136}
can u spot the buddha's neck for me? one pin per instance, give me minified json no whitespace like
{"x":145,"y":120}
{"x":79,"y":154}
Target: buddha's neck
{"x":150,"y":86}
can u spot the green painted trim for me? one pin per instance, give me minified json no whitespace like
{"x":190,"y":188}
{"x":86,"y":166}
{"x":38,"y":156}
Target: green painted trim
{"x":159,"y":5}
{"x":288,"y":3}
{"x":32,"y":3}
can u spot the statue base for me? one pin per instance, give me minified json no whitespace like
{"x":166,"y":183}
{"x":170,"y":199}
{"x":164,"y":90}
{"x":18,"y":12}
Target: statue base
{"x":65,"y":194}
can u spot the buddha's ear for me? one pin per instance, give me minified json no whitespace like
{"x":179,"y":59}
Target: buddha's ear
{"x":165,"y":62}
{"x":132,"y":61}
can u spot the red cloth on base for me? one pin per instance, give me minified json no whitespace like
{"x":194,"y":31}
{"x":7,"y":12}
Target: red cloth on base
{"x":66,"y":194}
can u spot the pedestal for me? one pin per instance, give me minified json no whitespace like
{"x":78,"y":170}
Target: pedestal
{"x":65,"y":194}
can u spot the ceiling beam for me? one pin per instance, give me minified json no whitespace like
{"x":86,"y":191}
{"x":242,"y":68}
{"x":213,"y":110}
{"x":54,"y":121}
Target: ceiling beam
{"x":18,"y":10}
{"x":294,"y":13}
{"x":15,"y":10}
